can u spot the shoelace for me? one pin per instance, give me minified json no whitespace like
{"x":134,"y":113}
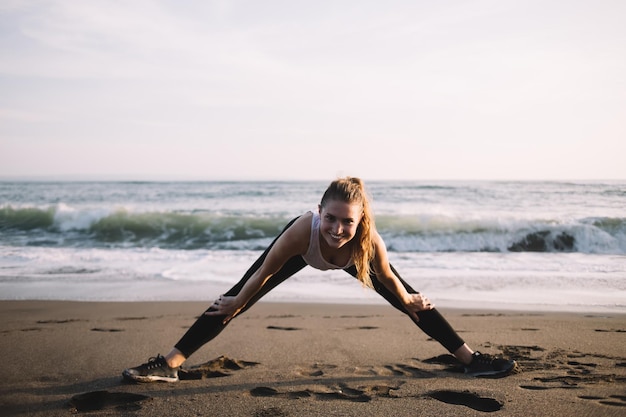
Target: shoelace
{"x":484,"y":359}
{"x":155,"y":362}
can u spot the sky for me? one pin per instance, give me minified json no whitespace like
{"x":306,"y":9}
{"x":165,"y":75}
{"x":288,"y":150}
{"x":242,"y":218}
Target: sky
{"x":309,"y":90}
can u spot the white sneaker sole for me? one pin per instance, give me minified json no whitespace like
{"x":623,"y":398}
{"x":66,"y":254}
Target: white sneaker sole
{"x":148,"y":378}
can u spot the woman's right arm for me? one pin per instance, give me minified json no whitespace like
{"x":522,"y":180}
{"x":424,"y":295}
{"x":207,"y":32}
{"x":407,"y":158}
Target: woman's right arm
{"x":294,"y":241}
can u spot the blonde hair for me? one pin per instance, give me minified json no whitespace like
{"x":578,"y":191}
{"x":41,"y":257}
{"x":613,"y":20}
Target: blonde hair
{"x":351,"y":190}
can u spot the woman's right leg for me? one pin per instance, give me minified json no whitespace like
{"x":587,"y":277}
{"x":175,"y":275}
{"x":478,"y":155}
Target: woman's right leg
{"x":205,"y":329}
{"x":208,"y":327}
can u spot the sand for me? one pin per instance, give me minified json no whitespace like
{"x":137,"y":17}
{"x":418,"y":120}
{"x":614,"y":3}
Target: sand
{"x":284,"y":359}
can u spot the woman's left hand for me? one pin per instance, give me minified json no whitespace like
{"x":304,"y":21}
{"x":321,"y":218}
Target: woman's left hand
{"x":417,"y":302}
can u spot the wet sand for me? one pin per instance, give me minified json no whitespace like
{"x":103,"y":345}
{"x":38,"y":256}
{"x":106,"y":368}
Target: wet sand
{"x":283,"y":359}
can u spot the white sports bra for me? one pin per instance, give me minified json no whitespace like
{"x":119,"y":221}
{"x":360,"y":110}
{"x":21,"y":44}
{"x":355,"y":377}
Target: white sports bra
{"x":313,"y":255}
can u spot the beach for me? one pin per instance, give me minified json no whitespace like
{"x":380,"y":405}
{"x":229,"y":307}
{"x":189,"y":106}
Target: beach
{"x":303,"y":359}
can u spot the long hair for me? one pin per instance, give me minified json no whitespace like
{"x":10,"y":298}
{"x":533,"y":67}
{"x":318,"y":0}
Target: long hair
{"x":351,"y":190}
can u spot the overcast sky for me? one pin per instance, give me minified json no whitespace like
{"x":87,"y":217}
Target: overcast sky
{"x":416,"y":89}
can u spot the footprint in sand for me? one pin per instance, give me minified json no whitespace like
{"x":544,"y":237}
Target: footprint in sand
{"x":468,"y":399}
{"x":330,"y":393}
{"x":362,"y":328}
{"x":613,"y":400}
{"x":106,"y":330}
{"x":317,"y":369}
{"x":568,"y":370}
{"x":131,"y":318}
{"x":365,"y":394}
{"x":216,"y":368}
{"x":59,"y":321}
{"x":528,"y":358}
{"x":285,"y":328}
{"x":100,"y":400}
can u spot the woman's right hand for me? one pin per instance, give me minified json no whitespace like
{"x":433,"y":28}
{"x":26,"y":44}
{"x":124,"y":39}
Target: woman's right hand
{"x":416,"y":303}
{"x":225,"y":306}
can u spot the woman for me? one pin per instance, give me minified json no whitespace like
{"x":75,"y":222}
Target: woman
{"x":342,"y":235}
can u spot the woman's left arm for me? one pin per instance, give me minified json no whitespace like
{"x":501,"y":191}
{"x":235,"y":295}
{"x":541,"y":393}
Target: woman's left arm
{"x":412,"y":302}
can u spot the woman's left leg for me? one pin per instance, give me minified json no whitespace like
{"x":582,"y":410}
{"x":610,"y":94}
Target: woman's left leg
{"x":434,"y":325}
{"x":430,"y":321}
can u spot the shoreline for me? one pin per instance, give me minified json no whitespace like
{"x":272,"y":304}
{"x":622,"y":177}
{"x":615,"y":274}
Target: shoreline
{"x":374,"y":300}
{"x":308,"y":359}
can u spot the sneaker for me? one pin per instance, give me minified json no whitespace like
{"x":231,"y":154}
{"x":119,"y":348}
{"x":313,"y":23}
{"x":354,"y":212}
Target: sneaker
{"x":156,"y":369}
{"x":487,"y":365}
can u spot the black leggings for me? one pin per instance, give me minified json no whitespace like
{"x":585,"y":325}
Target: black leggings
{"x":207,"y":327}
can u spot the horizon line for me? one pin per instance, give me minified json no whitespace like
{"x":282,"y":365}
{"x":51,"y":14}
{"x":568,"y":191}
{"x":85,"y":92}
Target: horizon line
{"x":185,"y":178}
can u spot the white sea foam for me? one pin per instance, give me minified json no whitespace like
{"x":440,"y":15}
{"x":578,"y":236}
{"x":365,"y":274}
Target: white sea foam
{"x":526,"y":280}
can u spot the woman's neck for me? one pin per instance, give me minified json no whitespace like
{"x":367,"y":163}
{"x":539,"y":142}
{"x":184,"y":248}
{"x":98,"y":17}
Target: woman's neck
{"x":336,"y":256}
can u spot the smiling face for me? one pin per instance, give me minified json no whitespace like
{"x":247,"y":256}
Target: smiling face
{"x":339,"y":222}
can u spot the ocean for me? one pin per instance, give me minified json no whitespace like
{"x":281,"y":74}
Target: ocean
{"x":558,"y":246}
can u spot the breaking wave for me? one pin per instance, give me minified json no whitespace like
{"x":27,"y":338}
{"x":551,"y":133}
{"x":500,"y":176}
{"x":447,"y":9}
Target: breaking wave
{"x":64,"y":226}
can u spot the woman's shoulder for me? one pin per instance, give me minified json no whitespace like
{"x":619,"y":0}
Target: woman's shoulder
{"x":377,"y":240}
{"x":299,"y":233}
{"x":303,"y":223}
